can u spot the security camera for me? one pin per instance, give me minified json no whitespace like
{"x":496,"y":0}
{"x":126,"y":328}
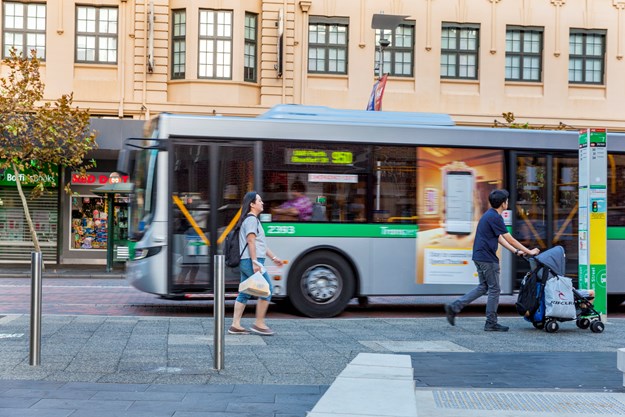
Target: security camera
{"x":384,"y":43}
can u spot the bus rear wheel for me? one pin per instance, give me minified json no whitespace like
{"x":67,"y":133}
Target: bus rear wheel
{"x":321,"y":285}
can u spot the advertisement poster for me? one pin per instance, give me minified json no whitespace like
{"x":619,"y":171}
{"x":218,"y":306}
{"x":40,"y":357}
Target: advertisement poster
{"x":453,"y":193}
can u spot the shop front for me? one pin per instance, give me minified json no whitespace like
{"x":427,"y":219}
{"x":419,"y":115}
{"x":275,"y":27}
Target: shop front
{"x":94,"y":221}
{"x":16,"y":243}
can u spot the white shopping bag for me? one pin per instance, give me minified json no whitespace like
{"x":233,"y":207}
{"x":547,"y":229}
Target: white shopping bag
{"x":255,"y":285}
{"x":559,"y":301}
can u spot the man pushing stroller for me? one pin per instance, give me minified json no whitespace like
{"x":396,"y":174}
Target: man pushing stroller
{"x":491,"y":230}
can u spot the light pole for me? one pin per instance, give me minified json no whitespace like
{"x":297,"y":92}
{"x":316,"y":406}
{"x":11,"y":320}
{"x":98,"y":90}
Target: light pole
{"x":385,"y":22}
{"x":383,"y":44}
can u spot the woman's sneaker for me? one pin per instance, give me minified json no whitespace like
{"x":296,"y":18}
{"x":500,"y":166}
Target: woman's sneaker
{"x":495,"y":328}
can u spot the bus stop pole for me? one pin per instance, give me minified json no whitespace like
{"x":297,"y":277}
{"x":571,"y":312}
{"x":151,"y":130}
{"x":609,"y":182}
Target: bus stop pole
{"x":110,"y":240}
{"x":35,"y":309}
{"x":218,"y":311}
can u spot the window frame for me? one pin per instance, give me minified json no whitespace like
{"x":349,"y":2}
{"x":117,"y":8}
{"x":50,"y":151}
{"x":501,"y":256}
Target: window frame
{"x":522,"y":54}
{"x":25,"y":31}
{"x":178,"y":40}
{"x":214,"y":39}
{"x":457,"y":52}
{"x":97,"y":35}
{"x":393,"y":50}
{"x":585,"y":57}
{"x":253,"y":44}
{"x":328,"y":22}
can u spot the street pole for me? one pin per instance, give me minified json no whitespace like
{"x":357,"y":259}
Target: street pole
{"x":218,"y":311}
{"x":35,"y":309}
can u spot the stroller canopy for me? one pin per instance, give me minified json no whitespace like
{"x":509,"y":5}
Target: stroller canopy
{"x":554,"y":259}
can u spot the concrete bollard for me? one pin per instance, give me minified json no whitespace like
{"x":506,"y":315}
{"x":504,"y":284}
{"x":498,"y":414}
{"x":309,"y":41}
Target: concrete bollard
{"x":620,"y":362}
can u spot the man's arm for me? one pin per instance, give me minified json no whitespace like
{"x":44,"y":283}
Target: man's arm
{"x":515,"y":245}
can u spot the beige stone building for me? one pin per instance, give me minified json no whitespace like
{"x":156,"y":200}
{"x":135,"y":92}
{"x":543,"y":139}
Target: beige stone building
{"x":547,"y":61}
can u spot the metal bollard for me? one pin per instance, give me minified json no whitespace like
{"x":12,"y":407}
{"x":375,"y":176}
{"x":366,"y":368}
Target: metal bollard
{"x":35,"y":309}
{"x":219,"y":310}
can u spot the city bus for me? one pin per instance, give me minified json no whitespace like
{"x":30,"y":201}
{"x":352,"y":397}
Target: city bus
{"x":394,"y":200}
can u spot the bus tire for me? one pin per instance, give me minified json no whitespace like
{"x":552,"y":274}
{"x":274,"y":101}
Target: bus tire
{"x":321,"y":285}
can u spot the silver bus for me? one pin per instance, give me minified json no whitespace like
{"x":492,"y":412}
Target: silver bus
{"x":393,"y":200}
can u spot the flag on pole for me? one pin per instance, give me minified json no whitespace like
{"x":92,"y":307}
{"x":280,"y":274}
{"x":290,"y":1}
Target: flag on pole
{"x":375,"y":100}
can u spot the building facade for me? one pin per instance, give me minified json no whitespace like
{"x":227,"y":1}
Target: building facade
{"x":549,"y":62}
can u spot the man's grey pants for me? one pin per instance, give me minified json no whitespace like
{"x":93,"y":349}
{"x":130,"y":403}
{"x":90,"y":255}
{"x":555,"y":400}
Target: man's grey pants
{"x":488,"y":274}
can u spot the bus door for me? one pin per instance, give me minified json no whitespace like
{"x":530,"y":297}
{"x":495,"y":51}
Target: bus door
{"x":544,"y":203}
{"x":208,"y":181}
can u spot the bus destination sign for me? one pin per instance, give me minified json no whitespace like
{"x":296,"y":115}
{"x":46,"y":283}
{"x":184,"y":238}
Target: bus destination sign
{"x":318,"y":157}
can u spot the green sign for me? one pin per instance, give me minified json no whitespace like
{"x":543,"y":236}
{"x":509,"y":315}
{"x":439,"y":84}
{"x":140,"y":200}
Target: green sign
{"x":29,"y":178}
{"x":382,"y":230}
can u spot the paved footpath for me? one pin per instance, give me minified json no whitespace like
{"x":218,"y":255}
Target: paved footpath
{"x":157,"y":366}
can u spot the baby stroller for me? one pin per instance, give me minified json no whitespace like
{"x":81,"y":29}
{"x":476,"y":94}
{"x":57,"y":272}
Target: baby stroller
{"x":547,"y":297}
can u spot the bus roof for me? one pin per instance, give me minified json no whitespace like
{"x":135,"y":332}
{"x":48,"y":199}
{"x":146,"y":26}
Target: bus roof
{"x":299,"y":112}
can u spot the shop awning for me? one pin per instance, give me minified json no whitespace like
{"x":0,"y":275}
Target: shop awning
{"x":117,"y":188}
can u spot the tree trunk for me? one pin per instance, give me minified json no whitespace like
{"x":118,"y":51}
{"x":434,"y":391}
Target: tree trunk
{"x":33,"y":233}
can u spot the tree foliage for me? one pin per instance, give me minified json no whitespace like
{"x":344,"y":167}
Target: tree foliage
{"x":37,"y":136}
{"x":510,"y":122}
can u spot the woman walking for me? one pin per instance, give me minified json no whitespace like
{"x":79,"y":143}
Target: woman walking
{"x":252,"y":239}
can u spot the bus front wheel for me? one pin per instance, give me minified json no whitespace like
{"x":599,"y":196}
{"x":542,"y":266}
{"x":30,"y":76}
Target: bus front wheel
{"x":321,"y":285}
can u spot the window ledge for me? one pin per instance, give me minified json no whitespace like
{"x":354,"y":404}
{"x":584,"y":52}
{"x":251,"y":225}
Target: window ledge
{"x":337,"y":76}
{"x":588,"y":86}
{"x":459,"y":81}
{"x":211,"y":81}
{"x":525,"y":83}
{"x":94,"y":65}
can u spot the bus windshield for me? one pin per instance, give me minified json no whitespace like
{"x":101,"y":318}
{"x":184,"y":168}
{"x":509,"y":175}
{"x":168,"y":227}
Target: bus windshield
{"x":142,"y":209}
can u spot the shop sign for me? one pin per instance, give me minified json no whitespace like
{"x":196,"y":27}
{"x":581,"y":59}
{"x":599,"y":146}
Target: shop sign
{"x":98,"y":178}
{"x":29,"y":178}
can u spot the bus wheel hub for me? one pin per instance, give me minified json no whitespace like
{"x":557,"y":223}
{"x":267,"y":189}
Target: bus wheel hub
{"x":322,"y":284}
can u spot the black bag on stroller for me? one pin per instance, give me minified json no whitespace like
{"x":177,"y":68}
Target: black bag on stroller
{"x":566,"y":304}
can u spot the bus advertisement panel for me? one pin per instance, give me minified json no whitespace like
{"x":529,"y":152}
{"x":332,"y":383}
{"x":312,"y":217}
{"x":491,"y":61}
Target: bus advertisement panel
{"x":453,"y":188}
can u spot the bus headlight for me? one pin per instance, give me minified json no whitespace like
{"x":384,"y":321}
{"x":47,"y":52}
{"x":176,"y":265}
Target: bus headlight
{"x":145,"y":252}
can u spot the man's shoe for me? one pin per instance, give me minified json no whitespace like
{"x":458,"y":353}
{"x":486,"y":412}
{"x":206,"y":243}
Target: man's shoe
{"x":495,"y":328}
{"x":451,"y":315}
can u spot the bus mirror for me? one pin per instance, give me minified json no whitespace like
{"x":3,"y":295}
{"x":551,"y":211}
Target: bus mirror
{"x":123,"y":161}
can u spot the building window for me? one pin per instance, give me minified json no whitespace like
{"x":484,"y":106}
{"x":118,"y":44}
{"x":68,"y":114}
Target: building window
{"x":399,"y":54}
{"x":96,"y":34}
{"x":327,"y":45}
{"x":459,"y":51}
{"x":524,"y":48}
{"x":24,"y":28}
{"x":249,"y":65}
{"x":178,"y":44}
{"x":586,"y":56}
{"x":215,"y":51}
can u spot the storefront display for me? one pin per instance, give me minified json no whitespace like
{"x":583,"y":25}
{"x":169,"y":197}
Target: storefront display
{"x":89,"y":222}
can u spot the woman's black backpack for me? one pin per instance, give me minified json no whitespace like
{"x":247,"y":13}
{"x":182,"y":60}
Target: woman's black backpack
{"x":232,"y":248}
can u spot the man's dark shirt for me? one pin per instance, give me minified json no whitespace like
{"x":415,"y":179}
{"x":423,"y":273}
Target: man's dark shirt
{"x":489,"y":228}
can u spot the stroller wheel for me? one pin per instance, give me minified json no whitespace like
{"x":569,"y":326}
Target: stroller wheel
{"x":583,"y":323}
{"x":597,"y":326}
{"x":551,"y":326}
{"x":539,"y":325}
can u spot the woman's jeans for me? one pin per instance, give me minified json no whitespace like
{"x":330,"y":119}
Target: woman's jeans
{"x":247,"y":270}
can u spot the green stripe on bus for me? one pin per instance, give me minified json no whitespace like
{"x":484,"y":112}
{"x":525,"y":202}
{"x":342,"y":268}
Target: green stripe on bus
{"x":341,"y":230}
{"x":616,"y":233}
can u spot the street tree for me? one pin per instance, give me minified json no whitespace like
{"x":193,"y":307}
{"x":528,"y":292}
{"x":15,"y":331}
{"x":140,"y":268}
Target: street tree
{"x":39,"y":136}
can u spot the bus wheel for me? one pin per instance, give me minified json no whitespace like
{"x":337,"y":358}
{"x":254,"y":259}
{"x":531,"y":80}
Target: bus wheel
{"x":321,"y":285}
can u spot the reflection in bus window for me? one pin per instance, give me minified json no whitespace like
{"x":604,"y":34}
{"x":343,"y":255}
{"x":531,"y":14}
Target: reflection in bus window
{"x":395,"y":184}
{"x":616,"y":190}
